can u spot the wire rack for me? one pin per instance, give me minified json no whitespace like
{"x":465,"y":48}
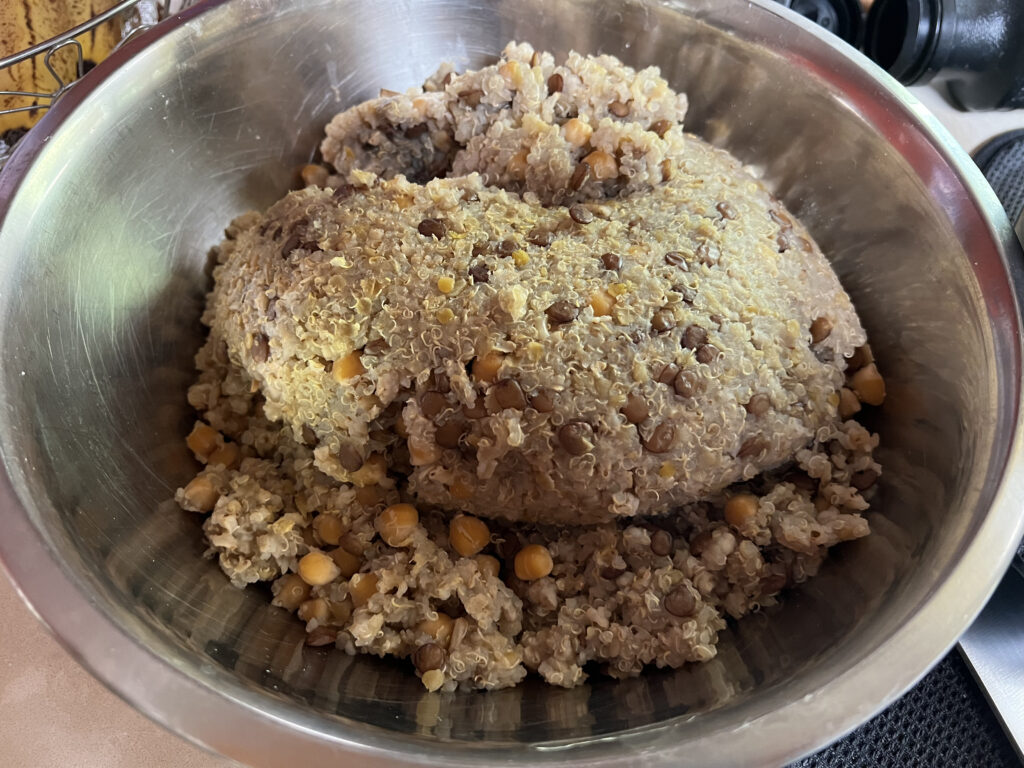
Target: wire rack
{"x":135,"y":16}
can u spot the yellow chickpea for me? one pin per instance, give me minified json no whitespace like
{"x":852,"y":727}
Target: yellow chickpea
{"x":361,"y":587}
{"x":602,"y":303}
{"x":227,"y":455}
{"x":397,"y":523}
{"x":329,"y":528}
{"x":533,"y":562}
{"x":201,"y":495}
{"x":348,"y":564}
{"x":869,"y":385}
{"x":488,"y":565}
{"x":291,"y":592}
{"x":602,"y":165}
{"x":740,"y":509}
{"x":348,"y":367}
{"x":485,"y":368}
{"x":468,"y":535}
{"x":317,"y":608}
{"x":202,"y":440}
{"x":440,"y":628}
{"x":317,"y":569}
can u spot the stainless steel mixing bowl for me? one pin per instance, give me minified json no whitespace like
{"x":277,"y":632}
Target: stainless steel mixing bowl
{"x":109,"y":208}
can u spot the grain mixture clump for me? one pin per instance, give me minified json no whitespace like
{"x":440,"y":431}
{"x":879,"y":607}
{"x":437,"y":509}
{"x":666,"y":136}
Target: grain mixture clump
{"x":528,"y":378}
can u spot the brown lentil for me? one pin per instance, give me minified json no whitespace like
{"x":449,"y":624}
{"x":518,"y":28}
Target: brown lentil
{"x":341,"y":611}
{"x":509,"y":394}
{"x":260,"y":349}
{"x":751,"y":447}
{"x":661,"y":439}
{"x":541,"y":237}
{"x":611,"y":261}
{"x":694,"y":336}
{"x":759,"y":404}
{"x":801,"y":480}
{"x":707,"y":353}
{"x":675,"y":259}
{"x":579,"y":177}
{"x":476,"y":411}
{"x":686,"y":383}
{"x":472,"y":97}
{"x":661,"y":127}
{"x":864,"y":479}
{"x":663,"y":321}
{"x":542,"y":401}
{"x":662,"y":543}
{"x":580,"y":214}
{"x":820,"y":329}
{"x":289,"y":245}
{"x":308,"y":435}
{"x":450,"y":434}
{"x":428,"y":656}
{"x":349,"y":458}
{"x":727,"y":210}
{"x":861,"y":356}
{"x":680,"y":602}
{"x":668,"y":374}
{"x":562,"y":312}
{"x":619,"y":109}
{"x":576,"y":438}
{"x":480,"y":273}
{"x":701,"y":542}
{"x":435,"y":228}
{"x":432,"y":403}
{"x":635,"y":410}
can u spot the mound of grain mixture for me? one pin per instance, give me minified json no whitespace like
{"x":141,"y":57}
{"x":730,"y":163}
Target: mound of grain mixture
{"x":527,"y":379}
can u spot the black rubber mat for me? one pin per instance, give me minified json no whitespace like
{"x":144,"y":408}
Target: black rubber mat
{"x":1002,"y":162}
{"x":943,"y":721}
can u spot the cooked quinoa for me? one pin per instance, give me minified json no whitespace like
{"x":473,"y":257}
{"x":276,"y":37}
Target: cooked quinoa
{"x":529,"y":378}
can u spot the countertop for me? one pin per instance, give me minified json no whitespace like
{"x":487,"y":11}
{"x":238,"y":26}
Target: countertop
{"x":53,"y":714}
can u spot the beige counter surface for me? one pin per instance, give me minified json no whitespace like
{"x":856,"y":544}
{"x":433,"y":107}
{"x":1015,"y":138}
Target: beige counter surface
{"x":53,"y":714}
